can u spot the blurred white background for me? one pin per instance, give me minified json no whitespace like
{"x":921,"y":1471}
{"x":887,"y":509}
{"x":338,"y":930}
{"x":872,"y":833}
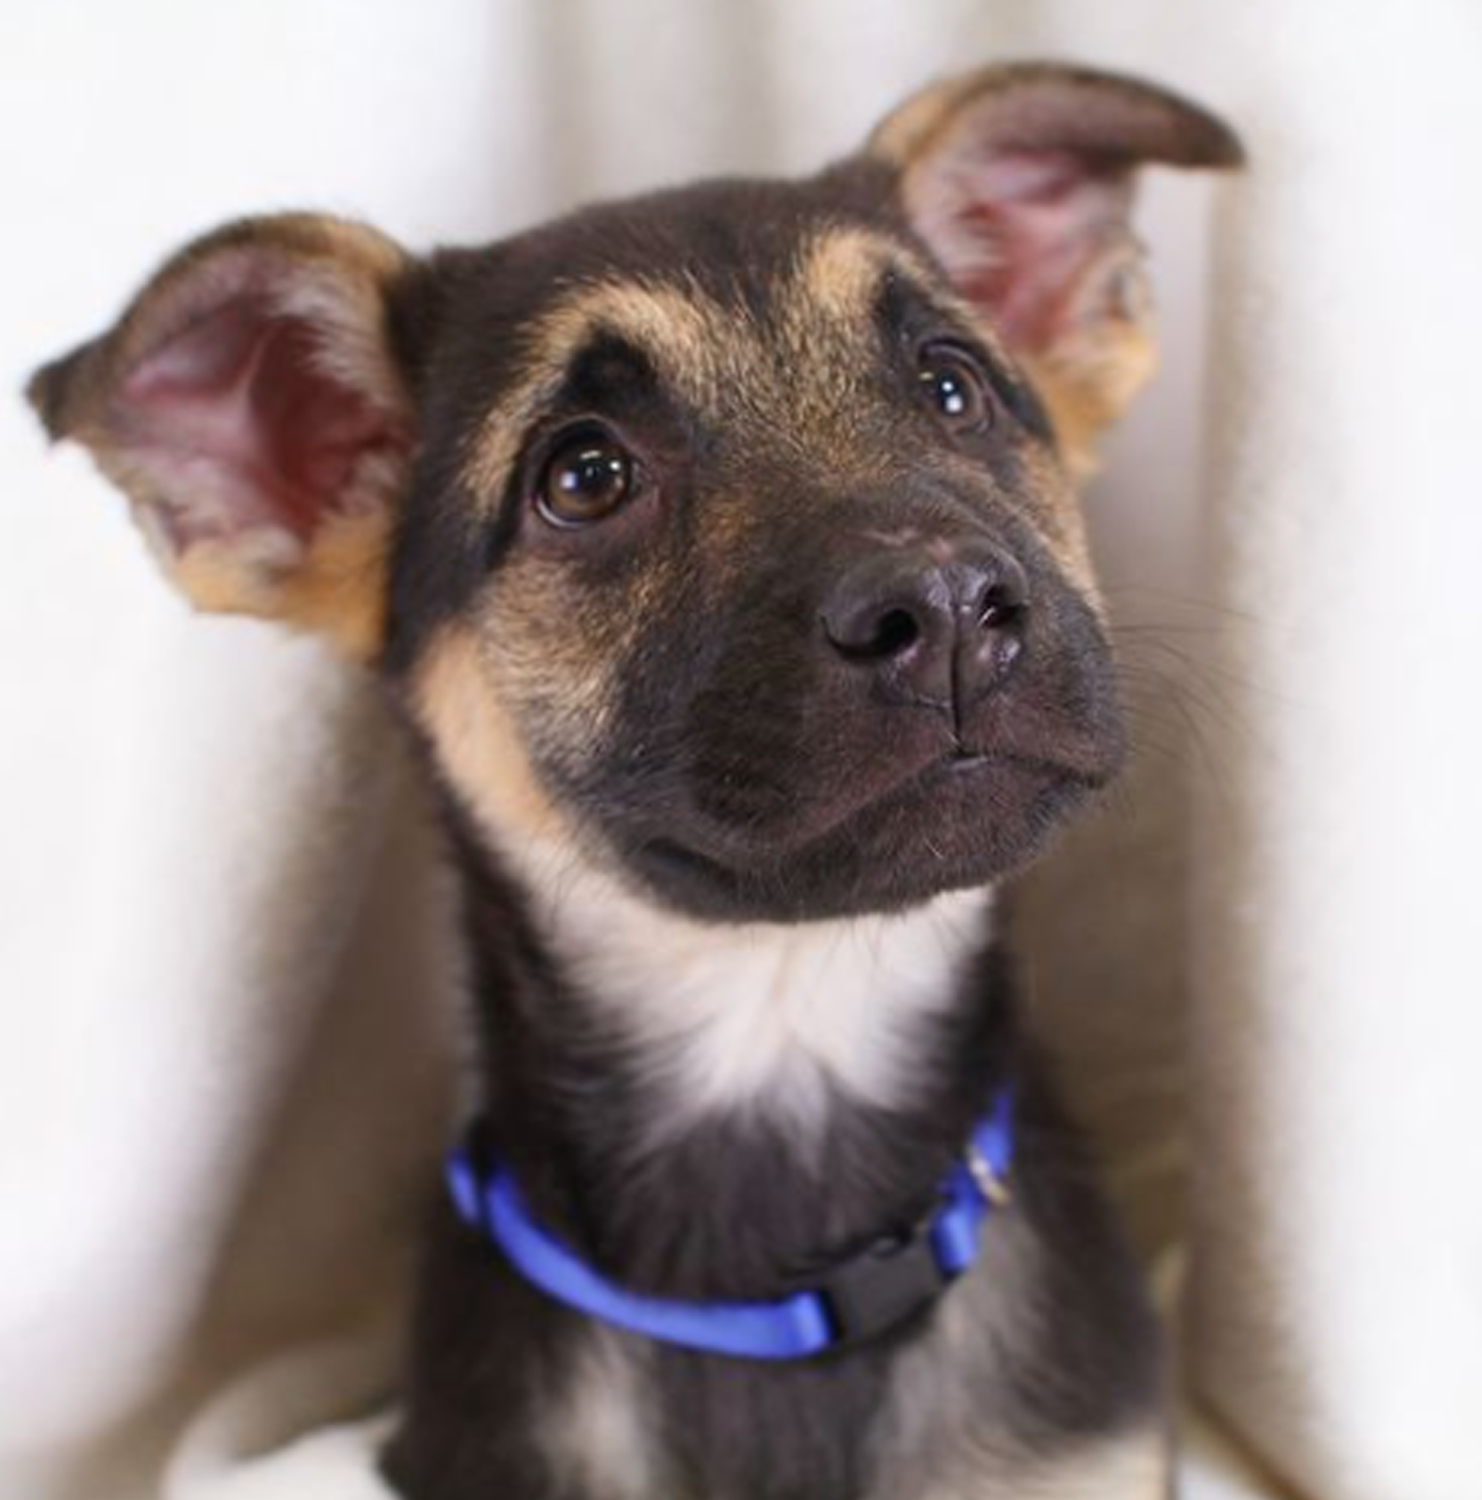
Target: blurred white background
{"x":224,"y":1047}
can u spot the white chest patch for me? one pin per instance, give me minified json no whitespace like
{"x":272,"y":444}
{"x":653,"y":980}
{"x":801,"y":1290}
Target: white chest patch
{"x":732,"y":1016}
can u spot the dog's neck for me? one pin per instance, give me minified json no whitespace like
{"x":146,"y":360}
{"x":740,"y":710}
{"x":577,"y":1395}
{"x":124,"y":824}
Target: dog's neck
{"x":757,"y":1018}
{"x":652,"y":1075}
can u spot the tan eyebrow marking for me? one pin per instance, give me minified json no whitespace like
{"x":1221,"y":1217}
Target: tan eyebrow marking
{"x":840,"y":271}
{"x":827,"y":302}
{"x":678,"y":327}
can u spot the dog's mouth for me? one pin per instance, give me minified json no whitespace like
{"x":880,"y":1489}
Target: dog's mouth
{"x":964,"y":818}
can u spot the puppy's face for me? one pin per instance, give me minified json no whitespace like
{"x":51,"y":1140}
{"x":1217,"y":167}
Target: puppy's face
{"x":765,"y":554}
{"x":723,"y":538}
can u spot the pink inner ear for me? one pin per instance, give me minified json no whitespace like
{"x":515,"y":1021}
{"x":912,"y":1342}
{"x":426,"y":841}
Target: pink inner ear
{"x":1017,"y":231}
{"x":244,"y":422}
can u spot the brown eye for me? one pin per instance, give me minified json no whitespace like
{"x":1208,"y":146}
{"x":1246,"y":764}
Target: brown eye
{"x":587,"y":478}
{"x":953,"y":385}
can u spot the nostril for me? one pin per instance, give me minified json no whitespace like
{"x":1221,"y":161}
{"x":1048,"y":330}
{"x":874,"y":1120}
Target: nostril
{"x":874,"y":636}
{"x":1002,"y":608}
{"x":895,"y":631}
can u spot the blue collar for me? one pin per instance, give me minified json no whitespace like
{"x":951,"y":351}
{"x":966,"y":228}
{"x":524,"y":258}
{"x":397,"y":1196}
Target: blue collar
{"x":857,"y":1298}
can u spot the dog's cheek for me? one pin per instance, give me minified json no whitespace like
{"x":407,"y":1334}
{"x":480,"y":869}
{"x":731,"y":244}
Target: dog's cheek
{"x":555,"y":647}
{"x":750,"y":732}
{"x":475,"y":741}
{"x":744,"y":718}
{"x":1049,"y":505}
{"x":555,"y":641}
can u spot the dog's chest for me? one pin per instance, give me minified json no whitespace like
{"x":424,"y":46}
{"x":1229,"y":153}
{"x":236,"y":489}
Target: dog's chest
{"x":695,"y":1174}
{"x":763,"y":1019}
{"x":931,"y":1422}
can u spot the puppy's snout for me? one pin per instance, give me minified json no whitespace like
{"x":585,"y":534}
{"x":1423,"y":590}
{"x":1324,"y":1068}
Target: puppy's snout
{"x":939,"y":625}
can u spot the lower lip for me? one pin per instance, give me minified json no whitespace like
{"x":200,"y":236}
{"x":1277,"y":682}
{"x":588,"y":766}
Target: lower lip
{"x":953,"y":766}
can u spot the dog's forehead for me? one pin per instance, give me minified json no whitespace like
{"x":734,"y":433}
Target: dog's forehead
{"x":740,"y":309}
{"x":702,"y":320}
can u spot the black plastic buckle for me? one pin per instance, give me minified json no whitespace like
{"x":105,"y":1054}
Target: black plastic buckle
{"x":883,"y":1285}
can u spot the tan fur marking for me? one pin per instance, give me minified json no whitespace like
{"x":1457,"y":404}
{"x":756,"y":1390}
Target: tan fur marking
{"x":826,"y":335}
{"x":840,"y":272}
{"x":336,"y":589}
{"x":1136,"y":1467}
{"x":1089,"y":382}
{"x":1057,"y":516}
{"x":476,"y":742}
{"x":676,"y":327}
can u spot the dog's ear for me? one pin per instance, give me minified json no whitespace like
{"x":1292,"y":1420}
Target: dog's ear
{"x":252,"y":404}
{"x":1019,"y":179}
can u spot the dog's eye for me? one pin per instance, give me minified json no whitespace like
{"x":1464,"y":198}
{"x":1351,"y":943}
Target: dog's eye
{"x":587,"y":477}
{"x":954,"y":386}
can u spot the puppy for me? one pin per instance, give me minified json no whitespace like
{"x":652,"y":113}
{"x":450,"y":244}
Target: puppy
{"x":720,"y":550}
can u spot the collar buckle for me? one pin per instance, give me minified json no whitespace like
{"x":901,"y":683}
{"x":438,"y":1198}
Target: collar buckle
{"x":880,"y":1287}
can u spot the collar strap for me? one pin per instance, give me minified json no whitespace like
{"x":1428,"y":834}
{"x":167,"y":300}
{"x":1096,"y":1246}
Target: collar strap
{"x":857,"y":1298}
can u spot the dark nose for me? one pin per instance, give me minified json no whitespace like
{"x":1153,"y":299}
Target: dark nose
{"x":940,"y":625}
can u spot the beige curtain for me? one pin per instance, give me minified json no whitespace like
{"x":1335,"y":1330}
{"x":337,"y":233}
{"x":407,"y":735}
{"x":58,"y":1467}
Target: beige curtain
{"x":227,"y":990}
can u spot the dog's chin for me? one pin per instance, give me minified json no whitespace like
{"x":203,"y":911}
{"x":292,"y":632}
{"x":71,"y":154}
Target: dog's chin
{"x":963,"y":822}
